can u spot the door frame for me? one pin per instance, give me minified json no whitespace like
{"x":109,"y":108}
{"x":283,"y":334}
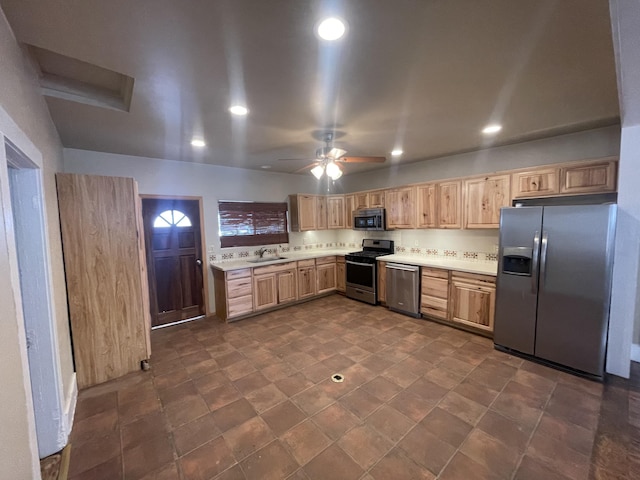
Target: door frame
{"x":203,"y":243}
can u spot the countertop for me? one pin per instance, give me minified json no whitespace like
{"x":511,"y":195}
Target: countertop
{"x":289,"y":257}
{"x":482,"y":268}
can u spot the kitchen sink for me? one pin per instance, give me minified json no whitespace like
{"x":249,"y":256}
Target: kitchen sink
{"x":266,"y":259}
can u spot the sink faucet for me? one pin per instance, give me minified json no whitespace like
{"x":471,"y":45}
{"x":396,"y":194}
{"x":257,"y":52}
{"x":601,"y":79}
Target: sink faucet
{"x":262,"y":251}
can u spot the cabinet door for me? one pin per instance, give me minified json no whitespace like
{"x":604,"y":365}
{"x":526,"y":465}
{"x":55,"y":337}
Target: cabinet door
{"x":326,"y":277}
{"x":426,"y":206}
{"x":382,"y":282}
{"x":449,"y":203}
{"x":307,"y":212}
{"x":287,"y":286}
{"x":341,"y":277}
{"x":349,"y":207}
{"x":306,"y":282}
{"x":335,"y":211}
{"x":593,"y":178}
{"x":473,"y":303}
{"x":376,"y":199}
{"x":321,"y":212}
{"x":265,"y":291}
{"x":483,"y":199}
{"x":401,"y":209}
{"x":362,"y":200}
{"x":535,"y":183}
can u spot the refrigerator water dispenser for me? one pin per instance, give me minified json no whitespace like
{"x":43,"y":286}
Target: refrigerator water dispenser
{"x":517,"y":260}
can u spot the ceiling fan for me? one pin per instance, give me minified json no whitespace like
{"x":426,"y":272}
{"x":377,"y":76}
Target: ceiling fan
{"x":328,"y":159}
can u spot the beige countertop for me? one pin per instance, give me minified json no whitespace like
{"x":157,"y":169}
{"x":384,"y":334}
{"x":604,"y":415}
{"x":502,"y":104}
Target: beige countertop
{"x":483,"y":268}
{"x":288,"y":257}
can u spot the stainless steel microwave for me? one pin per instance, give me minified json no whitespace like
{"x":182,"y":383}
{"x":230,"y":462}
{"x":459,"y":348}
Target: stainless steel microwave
{"x":370,"y":219}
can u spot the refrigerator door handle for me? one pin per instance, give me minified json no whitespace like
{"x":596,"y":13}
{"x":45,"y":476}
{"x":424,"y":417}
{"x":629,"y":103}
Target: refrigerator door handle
{"x":543,"y":259}
{"x":534,"y":262}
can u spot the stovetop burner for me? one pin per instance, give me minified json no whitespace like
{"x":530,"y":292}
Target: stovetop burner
{"x":371,"y":250}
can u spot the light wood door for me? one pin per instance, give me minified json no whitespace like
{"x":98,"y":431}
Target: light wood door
{"x":326,"y":275}
{"x":382,"y":282}
{"x":307,"y":212}
{"x":306,"y":282}
{"x":361,"y":200}
{"x":473,"y":303}
{"x":483,"y":199}
{"x":321,"y":212}
{"x":172,"y":234}
{"x":449,"y":203}
{"x":591,"y":178}
{"x":341,"y":277}
{"x":103,"y":269}
{"x":335,"y":211}
{"x":287,"y":286}
{"x":376,"y":199}
{"x":265,"y":291}
{"x":535,"y":183}
{"x":401,"y":208}
{"x":427,"y":212}
{"x":349,"y":207}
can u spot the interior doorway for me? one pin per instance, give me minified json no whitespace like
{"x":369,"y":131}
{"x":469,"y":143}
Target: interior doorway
{"x":173,"y":246}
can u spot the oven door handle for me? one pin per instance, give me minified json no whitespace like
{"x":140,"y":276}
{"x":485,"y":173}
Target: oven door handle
{"x":359,"y":263}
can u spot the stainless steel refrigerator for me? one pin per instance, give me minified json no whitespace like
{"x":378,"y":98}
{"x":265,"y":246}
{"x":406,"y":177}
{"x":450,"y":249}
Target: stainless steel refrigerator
{"x":554,"y":283}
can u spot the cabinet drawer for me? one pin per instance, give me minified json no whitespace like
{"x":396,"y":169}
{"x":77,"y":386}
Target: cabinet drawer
{"x":434,"y":312}
{"x":242,"y":273}
{"x":340,"y":259}
{"x":323,"y":260}
{"x":239,"y":287}
{"x":435,"y":272}
{"x":239,"y":306}
{"x":435,"y":287}
{"x":428,"y":301}
{"x":279,"y":267}
{"x":307,"y":263}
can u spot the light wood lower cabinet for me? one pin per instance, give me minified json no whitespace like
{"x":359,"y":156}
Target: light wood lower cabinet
{"x":265,"y":291}
{"x":326,"y":276}
{"x":287,"y":286}
{"x":341,"y":275}
{"x":274,"y":285}
{"x":434,"y":298}
{"x":473,"y":300}
{"x":233,"y":293}
{"x":306,"y":281}
{"x":382,"y":282}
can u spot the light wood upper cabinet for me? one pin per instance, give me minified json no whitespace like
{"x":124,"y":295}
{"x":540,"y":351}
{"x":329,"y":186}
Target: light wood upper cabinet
{"x":427,"y":214}
{"x":265,"y":291}
{"x":287,"y":286}
{"x":376,"y":199}
{"x":590,"y":178}
{"x":449,"y":201}
{"x":321,"y":212}
{"x":306,"y":282}
{"x":341,"y":275}
{"x":336,"y":212}
{"x":349,"y":207}
{"x":302,"y":212}
{"x":401,"y":207}
{"x":483,"y":199}
{"x":535,"y":183}
{"x":473,"y":300}
{"x":361,"y":200}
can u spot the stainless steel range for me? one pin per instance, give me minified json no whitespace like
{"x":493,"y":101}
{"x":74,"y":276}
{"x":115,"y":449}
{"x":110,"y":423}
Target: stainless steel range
{"x":362,"y":269}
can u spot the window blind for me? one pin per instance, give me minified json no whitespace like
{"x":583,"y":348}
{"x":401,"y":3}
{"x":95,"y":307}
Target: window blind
{"x":252,"y":223}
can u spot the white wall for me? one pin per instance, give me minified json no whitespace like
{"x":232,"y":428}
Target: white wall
{"x":24,"y":114}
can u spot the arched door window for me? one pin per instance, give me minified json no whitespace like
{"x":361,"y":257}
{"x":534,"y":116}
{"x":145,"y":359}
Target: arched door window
{"x":171,"y":218}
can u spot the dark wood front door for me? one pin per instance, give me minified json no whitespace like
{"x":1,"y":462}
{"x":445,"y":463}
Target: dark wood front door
{"x":173,"y":248}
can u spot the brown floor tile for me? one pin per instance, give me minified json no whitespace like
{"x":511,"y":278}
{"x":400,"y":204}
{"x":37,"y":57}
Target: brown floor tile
{"x":282,"y":417}
{"x":293,"y":384}
{"x":194,"y":434}
{"x":145,"y":403}
{"x":333,"y":463}
{"x":478,"y":393}
{"x":89,"y":405}
{"x":337,"y":362}
{"x":179,"y":393}
{"x":335,"y":420}
{"x":411,"y":405}
{"x":233,"y":414}
{"x":382,"y":388}
{"x":574,"y":406}
{"x":233,"y":473}
{"x":184,"y":412}
{"x":376,"y":364}
{"x":109,"y":470}
{"x":202,"y":368}
{"x":146,"y":457}
{"x":399,"y":376}
{"x":397,"y":466}
{"x":492,"y":454}
{"x":312,"y":400}
{"x":462,"y":467}
{"x":248,"y":437}
{"x":446,"y":427}
{"x":305,"y":441}
{"x":426,"y":449}
{"x":210,"y":381}
{"x":532,"y":469}
{"x":517,"y":407}
{"x":462,"y":407}
{"x":356,"y":375}
{"x":365,"y":445}
{"x":390,"y":422}
{"x":300,"y":360}
{"x":578,"y":438}
{"x":221,"y":396}
{"x":271,"y":462}
{"x":456,"y":366}
{"x":101,"y":424}
{"x":227,"y":359}
{"x":172,"y":379}
{"x":238,"y":370}
{"x":207,"y":461}
{"x":317,"y":372}
{"x":506,"y":430}
{"x":139,"y":431}
{"x":251,"y":382}
{"x":356,"y":353}
{"x":94,"y":452}
{"x":278,"y":371}
{"x":360,"y":402}
{"x":559,"y":456}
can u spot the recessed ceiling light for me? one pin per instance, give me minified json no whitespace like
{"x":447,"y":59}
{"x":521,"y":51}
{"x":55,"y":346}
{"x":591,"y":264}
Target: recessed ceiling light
{"x":490,"y":129}
{"x":266,"y":166}
{"x":396,"y":153}
{"x":331,"y":29}
{"x":198,"y":142}
{"x":238,"y":110}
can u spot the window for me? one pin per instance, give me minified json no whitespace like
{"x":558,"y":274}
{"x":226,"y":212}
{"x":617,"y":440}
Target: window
{"x":252,"y":223}
{"x":170,"y":218}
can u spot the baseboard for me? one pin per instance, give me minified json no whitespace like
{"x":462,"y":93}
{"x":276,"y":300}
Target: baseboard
{"x":635,"y":352}
{"x":70,"y":405}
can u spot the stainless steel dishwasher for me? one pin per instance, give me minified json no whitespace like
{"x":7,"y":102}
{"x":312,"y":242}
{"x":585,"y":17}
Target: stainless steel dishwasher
{"x":403,"y":288}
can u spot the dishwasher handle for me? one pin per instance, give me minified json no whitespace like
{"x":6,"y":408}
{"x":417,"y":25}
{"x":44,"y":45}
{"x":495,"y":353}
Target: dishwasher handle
{"x":405,"y":268}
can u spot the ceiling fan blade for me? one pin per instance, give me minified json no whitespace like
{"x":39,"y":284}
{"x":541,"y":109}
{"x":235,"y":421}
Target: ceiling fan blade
{"x":362,"y":159}
{"x":296,"y":159}
{"x":336,"y":153}
{"x":307,"y":167}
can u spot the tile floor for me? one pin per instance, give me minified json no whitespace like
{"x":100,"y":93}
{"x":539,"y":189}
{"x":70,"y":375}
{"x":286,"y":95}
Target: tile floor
{"x":254,"y":400}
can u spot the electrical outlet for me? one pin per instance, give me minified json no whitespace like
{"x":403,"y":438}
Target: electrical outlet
{"x":495,"y":248}
{"x":416,"y":244}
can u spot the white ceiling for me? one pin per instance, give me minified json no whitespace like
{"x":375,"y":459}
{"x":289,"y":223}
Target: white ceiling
{"x":422,"y":75}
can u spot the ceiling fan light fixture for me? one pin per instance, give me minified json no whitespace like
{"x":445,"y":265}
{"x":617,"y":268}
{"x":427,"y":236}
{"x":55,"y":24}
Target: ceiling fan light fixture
{"x":333,"y":171}
{"x":331,"y":29}
{"x":491,"y":129}
{"x":238,"y":110}
{"x":397,"y":152}
{"x":317,"y":171}
{"x":198,"y":142}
